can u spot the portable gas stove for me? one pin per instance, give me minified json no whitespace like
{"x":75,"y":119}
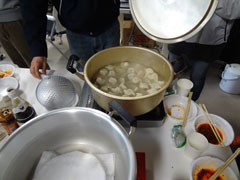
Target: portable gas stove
{"x":154,"y":118}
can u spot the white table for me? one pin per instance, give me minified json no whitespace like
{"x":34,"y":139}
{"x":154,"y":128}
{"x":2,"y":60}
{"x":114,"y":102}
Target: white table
{"x":163,"y":160}
{"x":28,"y":85}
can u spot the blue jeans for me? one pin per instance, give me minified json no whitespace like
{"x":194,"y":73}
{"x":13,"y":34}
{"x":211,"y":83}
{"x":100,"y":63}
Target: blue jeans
{"x":180,"y":63}
{"x":84,"y":46}
{"x":197,"y":75}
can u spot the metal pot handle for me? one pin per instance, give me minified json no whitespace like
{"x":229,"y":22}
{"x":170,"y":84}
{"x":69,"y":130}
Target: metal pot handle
{"x":72,"y":66}
{"x":114,"y":106}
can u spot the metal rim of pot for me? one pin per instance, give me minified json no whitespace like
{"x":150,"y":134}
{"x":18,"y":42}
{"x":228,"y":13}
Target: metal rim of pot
{"x":195,"y":29}
{"x":114,"y":124}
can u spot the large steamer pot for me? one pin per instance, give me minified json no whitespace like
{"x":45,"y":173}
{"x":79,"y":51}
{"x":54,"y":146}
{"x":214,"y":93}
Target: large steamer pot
{"x":65,"y":130}
{"x":134,"y":105}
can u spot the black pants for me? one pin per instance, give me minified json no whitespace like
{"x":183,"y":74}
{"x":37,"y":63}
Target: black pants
{"x":200,"y":56}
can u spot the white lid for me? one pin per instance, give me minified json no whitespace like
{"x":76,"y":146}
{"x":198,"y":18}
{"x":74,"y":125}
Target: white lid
{"x":234,"y":68}
{"x":171,"y":21}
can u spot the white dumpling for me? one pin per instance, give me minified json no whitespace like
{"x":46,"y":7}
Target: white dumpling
{"x":138,"y":94}
{"x":111,"y":73}
{"x":117,"y":91}
{"x":124,"y":64}
{"x":143,"y":85}
{"x":104,"y":88}
{"x":122,"y":86}
{"x":153,"y":77}
{"x":155,"y":85}
{"x":129,"y":92}
{"x":112,"y":80}
{"x":131,"y":76}
{"x":136,"y":80}
{"x":109,"y":67}
{"x":151,"y":91}
{"x":120,"y":70}
{"x":161,"y":83}
{"x":131,"y":70}
{"x":149,"y":71}
{"x":100,"y":81}
{"x":103,"y":72}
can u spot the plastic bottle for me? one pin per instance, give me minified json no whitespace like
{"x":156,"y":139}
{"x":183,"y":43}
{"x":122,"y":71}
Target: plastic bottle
{"x":21,"y":109}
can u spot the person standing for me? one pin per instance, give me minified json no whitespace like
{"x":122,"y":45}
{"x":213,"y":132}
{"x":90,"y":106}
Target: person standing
{"x":206,"y":46}
{"x":91,"y":25}
{"x":11,"y":33}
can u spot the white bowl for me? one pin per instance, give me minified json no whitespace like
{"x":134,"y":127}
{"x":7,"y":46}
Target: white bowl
{"x":8,"y":82}
{"x":221,"y":124}
{"x":180,"y":101}
{"x":210,"y":163}
{"x":7,"y":67}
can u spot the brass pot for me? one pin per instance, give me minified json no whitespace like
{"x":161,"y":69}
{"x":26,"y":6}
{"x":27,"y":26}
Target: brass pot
{"x":134,"y":105}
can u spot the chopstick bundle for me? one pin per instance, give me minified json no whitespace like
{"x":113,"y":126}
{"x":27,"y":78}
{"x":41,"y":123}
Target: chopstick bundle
{"x":213,"y":127}
{"x":225,"y":165}
{"x":187,"y":109}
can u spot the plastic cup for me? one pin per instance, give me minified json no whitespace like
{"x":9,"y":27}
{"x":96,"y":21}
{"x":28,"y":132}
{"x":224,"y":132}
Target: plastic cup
{"x":184,"y":86}
{"x":196,"y":145}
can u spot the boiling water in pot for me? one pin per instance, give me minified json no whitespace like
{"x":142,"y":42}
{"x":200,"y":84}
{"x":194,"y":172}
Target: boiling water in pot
{"x":128,"y":79}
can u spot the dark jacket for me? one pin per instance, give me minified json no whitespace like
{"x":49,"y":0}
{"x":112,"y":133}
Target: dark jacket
{"x":90,"y":17}
{"x":10,"y":10}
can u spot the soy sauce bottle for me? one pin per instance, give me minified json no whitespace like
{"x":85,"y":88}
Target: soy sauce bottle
{"x":21,"y":109}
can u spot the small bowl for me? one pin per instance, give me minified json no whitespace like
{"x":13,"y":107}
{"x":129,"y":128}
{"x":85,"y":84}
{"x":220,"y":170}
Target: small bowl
{"x":8,"y":82}
{"x":6,"y":70}
{"x":178,"y":105}
{"x":212,"y":164}
{"x":221,"y":124}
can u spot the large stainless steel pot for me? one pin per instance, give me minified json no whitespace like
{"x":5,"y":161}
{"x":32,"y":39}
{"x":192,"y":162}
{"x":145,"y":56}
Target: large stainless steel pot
{"x":134,"y":105}
{"x":66,"y":130}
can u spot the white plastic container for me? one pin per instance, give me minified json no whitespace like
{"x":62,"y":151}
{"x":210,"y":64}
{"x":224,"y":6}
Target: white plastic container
{"x":230,"y":82}
{"x":208,"y":162}
{"x":177,"y":105}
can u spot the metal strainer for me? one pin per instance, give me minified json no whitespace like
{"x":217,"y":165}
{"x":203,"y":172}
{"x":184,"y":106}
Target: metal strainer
{"x":55,"y":92}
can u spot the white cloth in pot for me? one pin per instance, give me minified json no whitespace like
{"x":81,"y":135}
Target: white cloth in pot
{"x":75,"y":165}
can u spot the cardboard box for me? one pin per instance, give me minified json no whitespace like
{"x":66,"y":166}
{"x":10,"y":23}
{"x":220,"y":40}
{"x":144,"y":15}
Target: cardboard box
{"x":140,"y":39}
{"x":126,"y":32}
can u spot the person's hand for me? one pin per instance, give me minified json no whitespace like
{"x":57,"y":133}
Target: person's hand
{"x":38,"y":63}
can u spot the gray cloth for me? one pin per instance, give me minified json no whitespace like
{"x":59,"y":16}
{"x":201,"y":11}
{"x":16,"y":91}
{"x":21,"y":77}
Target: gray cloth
{"x":10,"y":10}
{"x":217,"y":29}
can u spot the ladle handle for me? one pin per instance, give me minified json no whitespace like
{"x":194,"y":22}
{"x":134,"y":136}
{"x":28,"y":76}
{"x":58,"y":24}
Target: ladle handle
{"x":123,"y":113}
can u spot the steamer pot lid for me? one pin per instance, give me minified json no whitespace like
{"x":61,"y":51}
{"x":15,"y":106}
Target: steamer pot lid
{"x":171,"y":21}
